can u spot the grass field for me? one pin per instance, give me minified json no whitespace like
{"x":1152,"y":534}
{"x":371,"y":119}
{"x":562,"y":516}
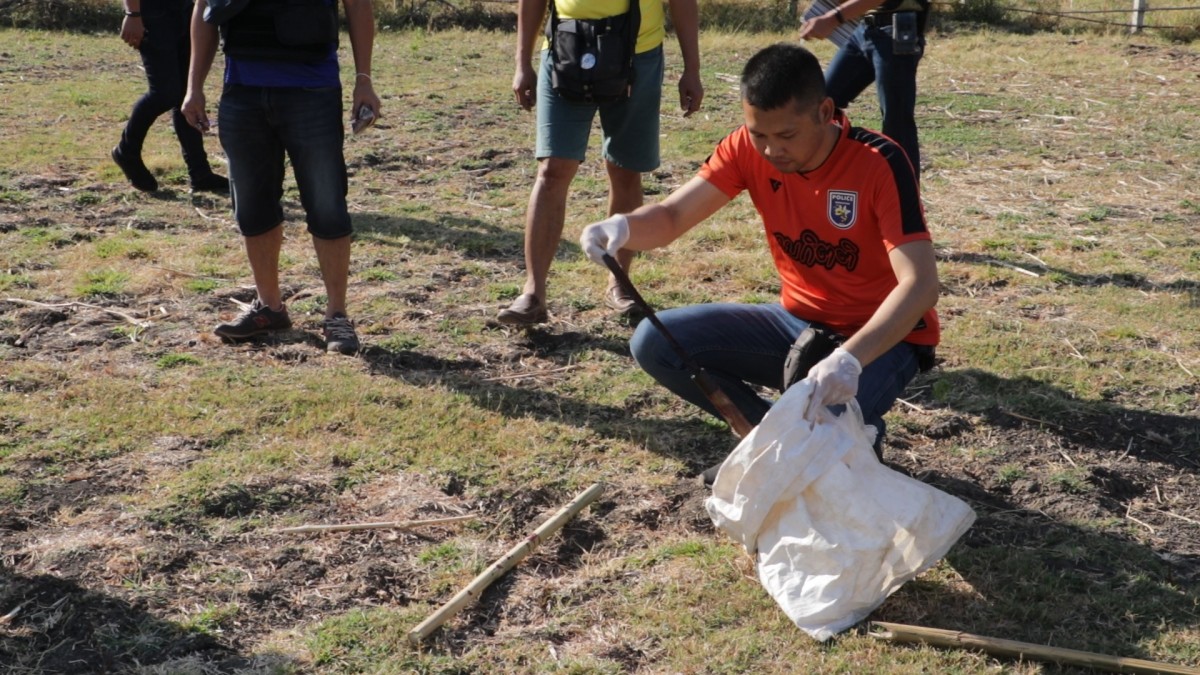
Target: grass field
{"x":145,"y":467}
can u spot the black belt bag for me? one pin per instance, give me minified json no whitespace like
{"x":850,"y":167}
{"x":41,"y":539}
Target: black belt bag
{"x":818,"y":341}
{"x":907,"y":29}
{"x":592,"y":59}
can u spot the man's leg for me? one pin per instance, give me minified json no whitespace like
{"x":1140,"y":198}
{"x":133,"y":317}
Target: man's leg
{"x":333,"y":255}
{"x":896,"y":89}
{"x":850,"y":71}
{"x":164,"y":92}
{"x":562,"y":135}
{"x":624,"y":195}
{"x":256,"y":165}
{"x":263,"y":252}
{"x":741,"y":347}
{"x":267,"y":313}
{"x":191,"y":141}
{"x":631,"y":130}
{"x":311,"y":127}
{"x":544,"y":221}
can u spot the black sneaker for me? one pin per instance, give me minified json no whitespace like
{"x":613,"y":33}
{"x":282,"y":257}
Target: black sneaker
{"x":210,"y":183}
{"x":339,"y":335}
{"x":709,"y":475}
{"x":257,"y":320}
{"x":135,"y":170}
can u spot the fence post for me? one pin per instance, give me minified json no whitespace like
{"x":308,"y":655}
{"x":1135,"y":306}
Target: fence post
{"x":1138,"y":20}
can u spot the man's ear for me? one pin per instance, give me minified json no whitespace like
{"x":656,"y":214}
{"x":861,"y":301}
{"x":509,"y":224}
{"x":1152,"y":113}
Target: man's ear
{"x":826,"y":110}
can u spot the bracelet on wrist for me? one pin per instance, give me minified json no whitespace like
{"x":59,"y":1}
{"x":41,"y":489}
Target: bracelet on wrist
{"x":133,"y":15}
{"x":357,"y":75}
{"x":837,"y":11}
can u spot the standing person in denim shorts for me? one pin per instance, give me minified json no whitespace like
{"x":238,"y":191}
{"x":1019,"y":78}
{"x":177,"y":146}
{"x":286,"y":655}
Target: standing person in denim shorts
{"x":841,"y":212}
{"x":873,"y":54}
{"x":630,"y":133}
{"x":283,"y":94}
{"x":160,"y":34}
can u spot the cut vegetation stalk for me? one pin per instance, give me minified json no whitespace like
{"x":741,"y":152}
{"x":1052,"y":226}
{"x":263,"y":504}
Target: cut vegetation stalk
{"x":509,"y":560}
{"x":938,"y":637}
{"x":391,"y":525}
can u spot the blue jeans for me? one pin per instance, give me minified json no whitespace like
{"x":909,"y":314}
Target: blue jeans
{"x":165,"y":50}
{"x":257,"y":126}
{"x":743,"y":347}
{"x":868,"y":58}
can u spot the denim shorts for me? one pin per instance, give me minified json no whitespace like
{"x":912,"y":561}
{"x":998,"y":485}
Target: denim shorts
{"x":257,"y":126}
{"x":630,"y":127}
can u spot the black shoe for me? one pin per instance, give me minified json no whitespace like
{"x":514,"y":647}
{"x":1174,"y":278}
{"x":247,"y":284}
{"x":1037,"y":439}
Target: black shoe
{"x":709,"y":475}
{"x":210,"y":183}
{"x":339,"y":335}
{"x":135,"y":170}
{"x":257,"y":320}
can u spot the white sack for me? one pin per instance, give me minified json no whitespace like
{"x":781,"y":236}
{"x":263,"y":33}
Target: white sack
{"x":834,"y":531}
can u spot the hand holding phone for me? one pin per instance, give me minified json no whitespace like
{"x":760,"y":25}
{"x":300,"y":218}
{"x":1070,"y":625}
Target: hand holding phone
{"x":364,"y":118}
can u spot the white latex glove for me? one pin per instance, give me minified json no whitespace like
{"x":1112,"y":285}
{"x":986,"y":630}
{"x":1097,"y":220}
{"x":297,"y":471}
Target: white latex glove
{"x":836,"y":381}
{"x":606,"y":236}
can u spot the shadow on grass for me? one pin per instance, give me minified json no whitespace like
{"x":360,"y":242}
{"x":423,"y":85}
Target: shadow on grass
{"x":1036,"y":579}
{"x":473,"y":238}
{"x":695,"y":443}
{"x":1022,"y":402}
{"x":56,"y":626}
{"x":1122,"y":280}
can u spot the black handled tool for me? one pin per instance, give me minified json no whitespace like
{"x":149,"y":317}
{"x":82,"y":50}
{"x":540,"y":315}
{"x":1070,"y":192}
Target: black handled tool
{"x":733,"y":416}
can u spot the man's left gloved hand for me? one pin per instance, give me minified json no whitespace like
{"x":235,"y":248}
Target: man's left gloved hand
{"x":606,"y":236}
{"x":836,"y":380}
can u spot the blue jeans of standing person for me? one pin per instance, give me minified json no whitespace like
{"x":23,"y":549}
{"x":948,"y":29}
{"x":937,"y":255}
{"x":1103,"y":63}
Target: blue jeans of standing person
{"x":868,"y":57}
{"x":165,"y":50}
{"x":743,"y":347}
{"x":258,"y":126}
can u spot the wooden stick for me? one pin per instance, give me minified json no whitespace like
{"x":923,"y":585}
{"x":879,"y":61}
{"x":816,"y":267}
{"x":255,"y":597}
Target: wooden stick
{"x":506,"y":562}
{"x":128,"y":317}
{"x":896,"y":632}
{"x":716,"y":396}
{"x":393,"y":525}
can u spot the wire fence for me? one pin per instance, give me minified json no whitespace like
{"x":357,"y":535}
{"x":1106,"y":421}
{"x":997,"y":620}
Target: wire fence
{"x":1081,"y":14}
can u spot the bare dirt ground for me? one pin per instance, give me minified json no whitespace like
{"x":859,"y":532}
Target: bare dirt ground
{"x":65,"y":539}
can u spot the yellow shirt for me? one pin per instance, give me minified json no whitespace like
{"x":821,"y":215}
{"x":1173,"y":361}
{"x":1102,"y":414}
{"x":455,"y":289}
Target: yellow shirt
{"x":650,"y":33}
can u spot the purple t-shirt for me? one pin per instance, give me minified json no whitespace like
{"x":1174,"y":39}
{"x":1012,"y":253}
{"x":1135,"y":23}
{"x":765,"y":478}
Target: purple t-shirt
{"x":283,"y":73}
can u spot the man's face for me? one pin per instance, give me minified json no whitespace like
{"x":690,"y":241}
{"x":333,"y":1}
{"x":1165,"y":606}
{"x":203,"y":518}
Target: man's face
{"x":791,"y":139}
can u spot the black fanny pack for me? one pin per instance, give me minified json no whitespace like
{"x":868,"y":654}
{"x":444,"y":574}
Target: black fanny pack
{"x":814,"y":343}
{"x":592,"y":59}
{"x":818,"y":341}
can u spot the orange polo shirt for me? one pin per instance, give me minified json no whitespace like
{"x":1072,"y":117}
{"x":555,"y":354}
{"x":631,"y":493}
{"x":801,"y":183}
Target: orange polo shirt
{"x":830,"y":230}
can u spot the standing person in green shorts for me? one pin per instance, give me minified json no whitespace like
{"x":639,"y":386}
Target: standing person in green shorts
{"x":630,"y":131}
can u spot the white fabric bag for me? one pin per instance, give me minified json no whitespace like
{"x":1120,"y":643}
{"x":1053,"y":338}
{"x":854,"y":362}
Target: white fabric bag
{"x":833,"y":531}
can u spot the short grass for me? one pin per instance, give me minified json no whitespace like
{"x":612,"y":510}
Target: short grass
{"x":144,"y":466}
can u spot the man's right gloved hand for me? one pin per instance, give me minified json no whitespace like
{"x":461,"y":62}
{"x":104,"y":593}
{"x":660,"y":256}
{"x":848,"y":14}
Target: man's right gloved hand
{"x":606,"y":236}
{"x":836,"y":379}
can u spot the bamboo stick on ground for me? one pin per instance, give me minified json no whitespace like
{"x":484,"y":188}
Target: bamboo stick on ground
{"x":392,"y":525}
{"x":937,"y":637}
{"x":516,"y":554}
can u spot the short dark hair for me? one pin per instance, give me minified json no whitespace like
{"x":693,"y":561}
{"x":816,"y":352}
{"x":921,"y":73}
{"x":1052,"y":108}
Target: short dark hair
{"x":780,"y":74}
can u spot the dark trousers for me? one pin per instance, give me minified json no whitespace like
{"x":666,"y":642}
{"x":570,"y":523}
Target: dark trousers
{"x":868,"y":58}
{"x":165,"y":50}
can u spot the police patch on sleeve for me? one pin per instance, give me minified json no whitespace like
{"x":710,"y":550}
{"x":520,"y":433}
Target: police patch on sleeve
{"x":843,"y":208}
